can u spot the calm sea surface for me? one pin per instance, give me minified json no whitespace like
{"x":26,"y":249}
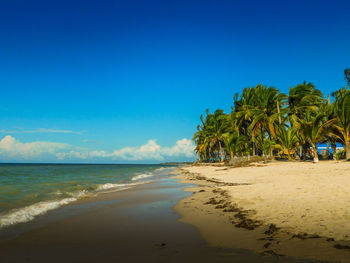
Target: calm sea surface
{"x":29,"y":190}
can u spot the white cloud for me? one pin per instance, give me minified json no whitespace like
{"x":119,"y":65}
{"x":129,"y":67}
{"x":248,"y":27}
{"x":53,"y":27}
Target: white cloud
{"x":182,"y":147}
{"x":71,"y":155}
{"x":149,"y":151}
{"x":12,"y":149}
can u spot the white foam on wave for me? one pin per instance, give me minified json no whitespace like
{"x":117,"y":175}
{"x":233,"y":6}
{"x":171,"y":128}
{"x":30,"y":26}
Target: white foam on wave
{"x":141,"y":176}
{"x":158,"y":171}
{"x":117,"y":186}
{"x":110,"y":186}
{"x":28,"y":213}
{"x":163,"y":170}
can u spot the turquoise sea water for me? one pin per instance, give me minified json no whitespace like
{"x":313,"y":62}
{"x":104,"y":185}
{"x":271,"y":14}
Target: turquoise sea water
{"x":29,"y":190}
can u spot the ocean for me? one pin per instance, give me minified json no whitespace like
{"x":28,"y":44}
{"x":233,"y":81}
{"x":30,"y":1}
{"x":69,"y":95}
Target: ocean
{"x":30,"y":190}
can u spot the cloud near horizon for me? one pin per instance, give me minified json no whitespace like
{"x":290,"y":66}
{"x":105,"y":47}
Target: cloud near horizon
{"x":12,"y":149}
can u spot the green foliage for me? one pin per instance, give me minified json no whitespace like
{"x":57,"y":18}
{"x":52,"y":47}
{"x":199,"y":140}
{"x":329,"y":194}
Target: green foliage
{"x":342,"y":115}
{"x":266,"y":122}
{"x":209,"y":137}
{"x":304,"y":97}
{"x":288,"y":140}
{"x":340,"y":155}
{"x":347,"y":75}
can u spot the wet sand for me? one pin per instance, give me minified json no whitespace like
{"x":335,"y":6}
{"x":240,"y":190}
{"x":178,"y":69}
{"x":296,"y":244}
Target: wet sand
{"x":134,"y":225}
{"x":279,"y":208}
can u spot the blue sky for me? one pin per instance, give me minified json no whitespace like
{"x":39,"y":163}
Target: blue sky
{"x":95,"y":81}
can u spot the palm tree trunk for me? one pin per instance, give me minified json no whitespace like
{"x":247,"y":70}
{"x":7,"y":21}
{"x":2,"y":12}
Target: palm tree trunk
{"x":347,"y":151}
{"x":220,"y":151}
{"x":305,"y":150}
{"x":314,"y":147}
{"x":327,"y":150}
{"x":231,"y":155}
{"x":278,"y":111}
{"x":334,"y":150}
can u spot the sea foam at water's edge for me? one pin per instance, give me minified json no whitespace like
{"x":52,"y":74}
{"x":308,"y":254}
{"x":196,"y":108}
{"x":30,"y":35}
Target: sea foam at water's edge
{"x":142,"y":176}
{"x":28,"y":213}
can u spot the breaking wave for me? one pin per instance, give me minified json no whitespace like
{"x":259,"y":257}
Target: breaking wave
{"x":28,"y":213}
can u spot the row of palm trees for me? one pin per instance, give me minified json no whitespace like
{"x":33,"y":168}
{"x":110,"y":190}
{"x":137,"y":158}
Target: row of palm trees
{"x":269,"y":123}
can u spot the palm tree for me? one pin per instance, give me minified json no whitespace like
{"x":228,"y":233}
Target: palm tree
{"x":288,"y":140}
{"x":347,"y":76}
{"x":313,"y":127}
{"x":200,"y":140}
{"x":239,"y":118}
{"x":217,"y":128}
{"x":331,"y":139}
{"x":264,"y":112}
{"x":256,"y":113}
{"x":209,"y":135}
{"x":234,"y":143}
{"x":342,"y":112}
{"x":202,"y":144}
{"x":267,"y":147}
{"x":304,"y":97}
{"x":263,"y":119}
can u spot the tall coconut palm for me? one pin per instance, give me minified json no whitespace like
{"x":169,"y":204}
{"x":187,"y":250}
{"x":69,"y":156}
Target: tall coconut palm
{"x":210,"y":134}
{"x":202,"y":143}
{"x":288,"y":140}
{"x":304,"y":97}
{"x":267,"y":146}
{"x":247,"y":97}
{"x":260,"y":117}
{"x":342,"y":112}
{"x":264,"y":112}
{"x":217,"y":128}
{"x":234,"y":143}
{"x":330,"y":138}
{"x":347,"y":76}
{"x":313,"y":127}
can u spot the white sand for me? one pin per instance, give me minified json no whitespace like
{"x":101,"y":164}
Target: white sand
{"x":297,"y":196}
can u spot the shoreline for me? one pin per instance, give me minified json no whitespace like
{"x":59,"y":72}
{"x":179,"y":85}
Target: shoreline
{"x":38,"y":200}
{"x":142,"y":223}
{"x":133,"y":225}
{"x":224,"y":205}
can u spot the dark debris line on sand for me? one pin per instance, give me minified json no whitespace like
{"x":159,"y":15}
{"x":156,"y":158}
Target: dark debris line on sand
{"x":242,"y":218}
{"x":339,"y":246}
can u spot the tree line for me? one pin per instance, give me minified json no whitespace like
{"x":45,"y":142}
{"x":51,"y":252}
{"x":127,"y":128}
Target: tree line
{"x":269,"y":123}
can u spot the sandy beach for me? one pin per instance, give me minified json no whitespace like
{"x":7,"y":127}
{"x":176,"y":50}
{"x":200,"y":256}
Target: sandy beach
{"x":296,"y":209}
{"x":190,"y":218}
{"x":133,"y":225}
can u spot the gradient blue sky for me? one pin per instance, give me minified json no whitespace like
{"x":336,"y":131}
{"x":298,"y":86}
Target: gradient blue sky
{"x":99,"y":76}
